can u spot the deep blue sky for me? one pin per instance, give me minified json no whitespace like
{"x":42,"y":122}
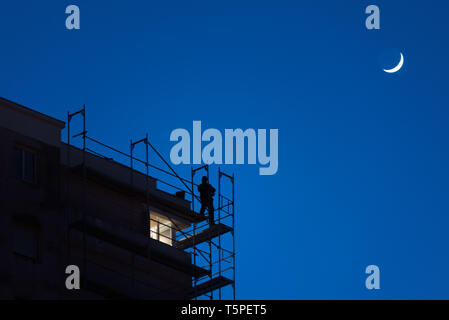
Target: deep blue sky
{"x":363,"y":165}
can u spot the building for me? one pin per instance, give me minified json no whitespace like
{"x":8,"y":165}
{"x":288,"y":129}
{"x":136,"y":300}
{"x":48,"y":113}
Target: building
{"x":62,"y":205}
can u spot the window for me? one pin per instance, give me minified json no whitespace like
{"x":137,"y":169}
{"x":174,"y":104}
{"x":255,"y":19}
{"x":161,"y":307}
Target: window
{"x":161,"y":229}
{"x":25,"y":164}
{"x":26,"y":241}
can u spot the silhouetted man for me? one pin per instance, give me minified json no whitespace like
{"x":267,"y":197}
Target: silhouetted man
{"x":207,"y":193}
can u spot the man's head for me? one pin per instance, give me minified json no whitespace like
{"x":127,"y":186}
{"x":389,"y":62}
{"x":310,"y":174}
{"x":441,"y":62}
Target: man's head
{"x":204,"y":180}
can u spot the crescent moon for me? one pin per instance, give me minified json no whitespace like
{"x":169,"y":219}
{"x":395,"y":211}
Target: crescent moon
{"x":398,"y":67}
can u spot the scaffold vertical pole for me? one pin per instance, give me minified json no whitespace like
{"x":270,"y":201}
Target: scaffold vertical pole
{"x":67,"y":209}
{"x":83,"y":134}
{"x":219,"y":221}
{"x":210,"y":238}
{"x":233,"y":234}
{"x":192,"y":175}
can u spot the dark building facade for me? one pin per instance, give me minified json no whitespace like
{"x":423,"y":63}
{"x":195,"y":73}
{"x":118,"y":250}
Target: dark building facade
{"x":63,"y":206}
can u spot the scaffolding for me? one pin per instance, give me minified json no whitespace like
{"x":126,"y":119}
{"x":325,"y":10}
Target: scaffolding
{"x":211,"y":247}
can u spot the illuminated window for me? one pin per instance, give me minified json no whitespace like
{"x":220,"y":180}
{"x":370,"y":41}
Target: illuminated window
{"x":161,"y":229}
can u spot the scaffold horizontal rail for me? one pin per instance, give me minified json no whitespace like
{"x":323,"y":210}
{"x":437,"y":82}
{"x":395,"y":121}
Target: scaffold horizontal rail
{"x":203,"y":235}
{"x":210,"y":285}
